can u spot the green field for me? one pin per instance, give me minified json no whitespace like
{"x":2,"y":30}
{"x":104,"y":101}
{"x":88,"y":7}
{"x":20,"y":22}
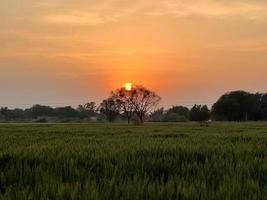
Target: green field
{"x":116,"y":161}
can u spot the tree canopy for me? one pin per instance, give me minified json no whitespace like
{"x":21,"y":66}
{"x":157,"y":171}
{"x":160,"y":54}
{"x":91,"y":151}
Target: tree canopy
{"x":138,"y":101}
{"x":238,"y":106}
{"x":199,"y":113}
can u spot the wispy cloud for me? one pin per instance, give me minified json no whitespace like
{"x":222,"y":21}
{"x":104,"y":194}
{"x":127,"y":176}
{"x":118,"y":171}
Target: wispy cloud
{"x":73,"y":18}
{"x":90,"y":13}
{"x":99,"y":12}
{"x":212,"y":8}
{"x":52,"y":40}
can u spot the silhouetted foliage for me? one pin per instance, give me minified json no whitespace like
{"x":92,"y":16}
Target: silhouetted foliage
{"x":90,"y":107}
{"x":174,"y":117}
{"x":144,"y":101}
{"x":124,"y":100}
{"x":139,"y":101}
{"x":87,"y":110}
{"x":5,"y":112}
{"x":158,"y":115}
{"x":16,"y":114}
{"x":138,"y":104}
{"x":177,"y":114}
{"x":41,"y":111}
{"x":174,"y":114}
{"x":238,"y":106}
{"x":180,"y":110}
{"x":263,"y":108}
{"x":66,"y":112}
{"x":199,"y":113}
{"x":110,"y":108}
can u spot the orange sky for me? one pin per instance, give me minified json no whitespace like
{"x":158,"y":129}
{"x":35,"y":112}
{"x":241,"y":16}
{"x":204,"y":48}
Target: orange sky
{"x":62,"y":52}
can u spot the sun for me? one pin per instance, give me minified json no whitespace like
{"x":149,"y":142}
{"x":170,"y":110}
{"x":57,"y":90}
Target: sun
{"x":128,"y":86}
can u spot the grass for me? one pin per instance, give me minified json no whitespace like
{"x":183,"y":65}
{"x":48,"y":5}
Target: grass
{"x":117,"y":161}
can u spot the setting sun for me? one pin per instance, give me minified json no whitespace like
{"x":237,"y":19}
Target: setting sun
{"x":128,"y":86}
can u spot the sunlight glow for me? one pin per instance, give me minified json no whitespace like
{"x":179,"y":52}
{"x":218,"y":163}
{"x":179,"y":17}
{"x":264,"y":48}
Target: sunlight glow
{"x":128,"y":86}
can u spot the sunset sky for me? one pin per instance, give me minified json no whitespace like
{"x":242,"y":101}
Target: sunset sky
{"x":68,"y":52}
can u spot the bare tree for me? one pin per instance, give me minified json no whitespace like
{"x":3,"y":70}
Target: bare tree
{"x":144,"y":101}
{"x":138,"y":100}
{"x":125,"y":102}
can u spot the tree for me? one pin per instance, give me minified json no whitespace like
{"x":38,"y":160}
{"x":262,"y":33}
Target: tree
{"x":41,"y":111}
{"x":174,"y":117}
{"x":138,"y":101}
{"x":181,"y":111}
{"x":66,"y":112}
{"x":264,"y":106}
{"x":87,"y":110}
{"x":237,"y":106}
{"x":17,"y":114}
{"x":110,"y":108}
{"x":124,"y":100}
{"x":5,"y":112}
{"x":199,"y":113}
{"x":143,"y":101}
{"x":90,"y":107}
{"x":158,"y":115}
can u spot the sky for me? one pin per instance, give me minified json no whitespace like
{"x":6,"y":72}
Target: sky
{"x":69,"y":52}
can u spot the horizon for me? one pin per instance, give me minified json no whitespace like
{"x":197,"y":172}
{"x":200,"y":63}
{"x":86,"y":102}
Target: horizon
{"x":56,"y":52}
{"x":128,"y":87}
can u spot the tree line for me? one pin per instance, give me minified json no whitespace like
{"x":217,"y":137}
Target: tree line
{"x":139,"y":105}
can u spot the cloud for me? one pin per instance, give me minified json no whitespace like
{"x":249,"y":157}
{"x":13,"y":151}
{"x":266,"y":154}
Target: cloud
{"x":54,"y":40}
{"x":91,"y":12}
{"x":212,"y":9}
{"x":74,"y":18}
{"x":104,"y":11}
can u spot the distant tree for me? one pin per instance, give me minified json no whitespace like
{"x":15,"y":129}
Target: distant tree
{"x":199,"y":113}
{"x":237,"y":106}
{"x":17,"y":114}
{"x":139,"y":101}
{"x":174,"y":114}
{"x":157,"y":115}
{"x":125,"y":103}
{"x":5,"y":112}
{"x":66,"y":112}
{"x":41,"y":111}
{"x":174,"y":117}
{"x":109,"y":107}
{"x":87,"y":110}
{"x":12,"y":114}
{"x":181,"y":111}
{"x":80,"y":108}
{"x":144,"y":101}
{"x":264,"y":106}
{"x":90,"y":107}
{"x":257,"y":102}
{"x":82,"y":112}
{"x":1,"y":115}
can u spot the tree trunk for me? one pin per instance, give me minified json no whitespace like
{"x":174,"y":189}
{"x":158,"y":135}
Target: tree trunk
{"x":141,"y":119}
